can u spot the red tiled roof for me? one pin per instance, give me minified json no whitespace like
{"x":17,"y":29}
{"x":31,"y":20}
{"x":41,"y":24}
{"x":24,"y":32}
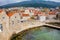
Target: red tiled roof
{"x":39,"y":12}
{"x":11,"y":13}
{"x":51,"y":13}
{"x":24,"y":14}
{"x":1,"y":10}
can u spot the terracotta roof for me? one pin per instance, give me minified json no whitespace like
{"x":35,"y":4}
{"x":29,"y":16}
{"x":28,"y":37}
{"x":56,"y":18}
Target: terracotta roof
{"x":51,"y":13}
{"x":11,"y":13}
{"x":42,"y":14}
{"x":1,"y":10}
{"x":24,"y":15}
{"x":39,"y":12}
{"x":35,"y":12}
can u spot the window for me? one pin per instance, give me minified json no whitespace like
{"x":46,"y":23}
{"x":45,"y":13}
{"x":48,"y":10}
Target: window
{"x":3,"y":17}
{"x":12,"y":22}
{"x":15,"y":16}
{"x":1,"y":29}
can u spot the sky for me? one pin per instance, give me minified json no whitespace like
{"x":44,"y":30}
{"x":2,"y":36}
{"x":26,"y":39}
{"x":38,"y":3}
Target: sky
{"x":4,"y":2}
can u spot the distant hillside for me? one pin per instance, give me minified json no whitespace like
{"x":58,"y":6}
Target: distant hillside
{"x":48,"y":4}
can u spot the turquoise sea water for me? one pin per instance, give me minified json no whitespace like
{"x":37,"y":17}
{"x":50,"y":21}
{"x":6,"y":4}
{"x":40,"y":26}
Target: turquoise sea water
{"x":38,"y":33}
{"x":42,"y":34}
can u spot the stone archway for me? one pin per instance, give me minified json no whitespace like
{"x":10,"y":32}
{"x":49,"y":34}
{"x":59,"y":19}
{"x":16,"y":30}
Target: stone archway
{"x":37,"y":33}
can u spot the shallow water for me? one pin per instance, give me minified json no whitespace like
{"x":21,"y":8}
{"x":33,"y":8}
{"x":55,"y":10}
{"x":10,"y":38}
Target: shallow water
{"x":41,"y":33}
